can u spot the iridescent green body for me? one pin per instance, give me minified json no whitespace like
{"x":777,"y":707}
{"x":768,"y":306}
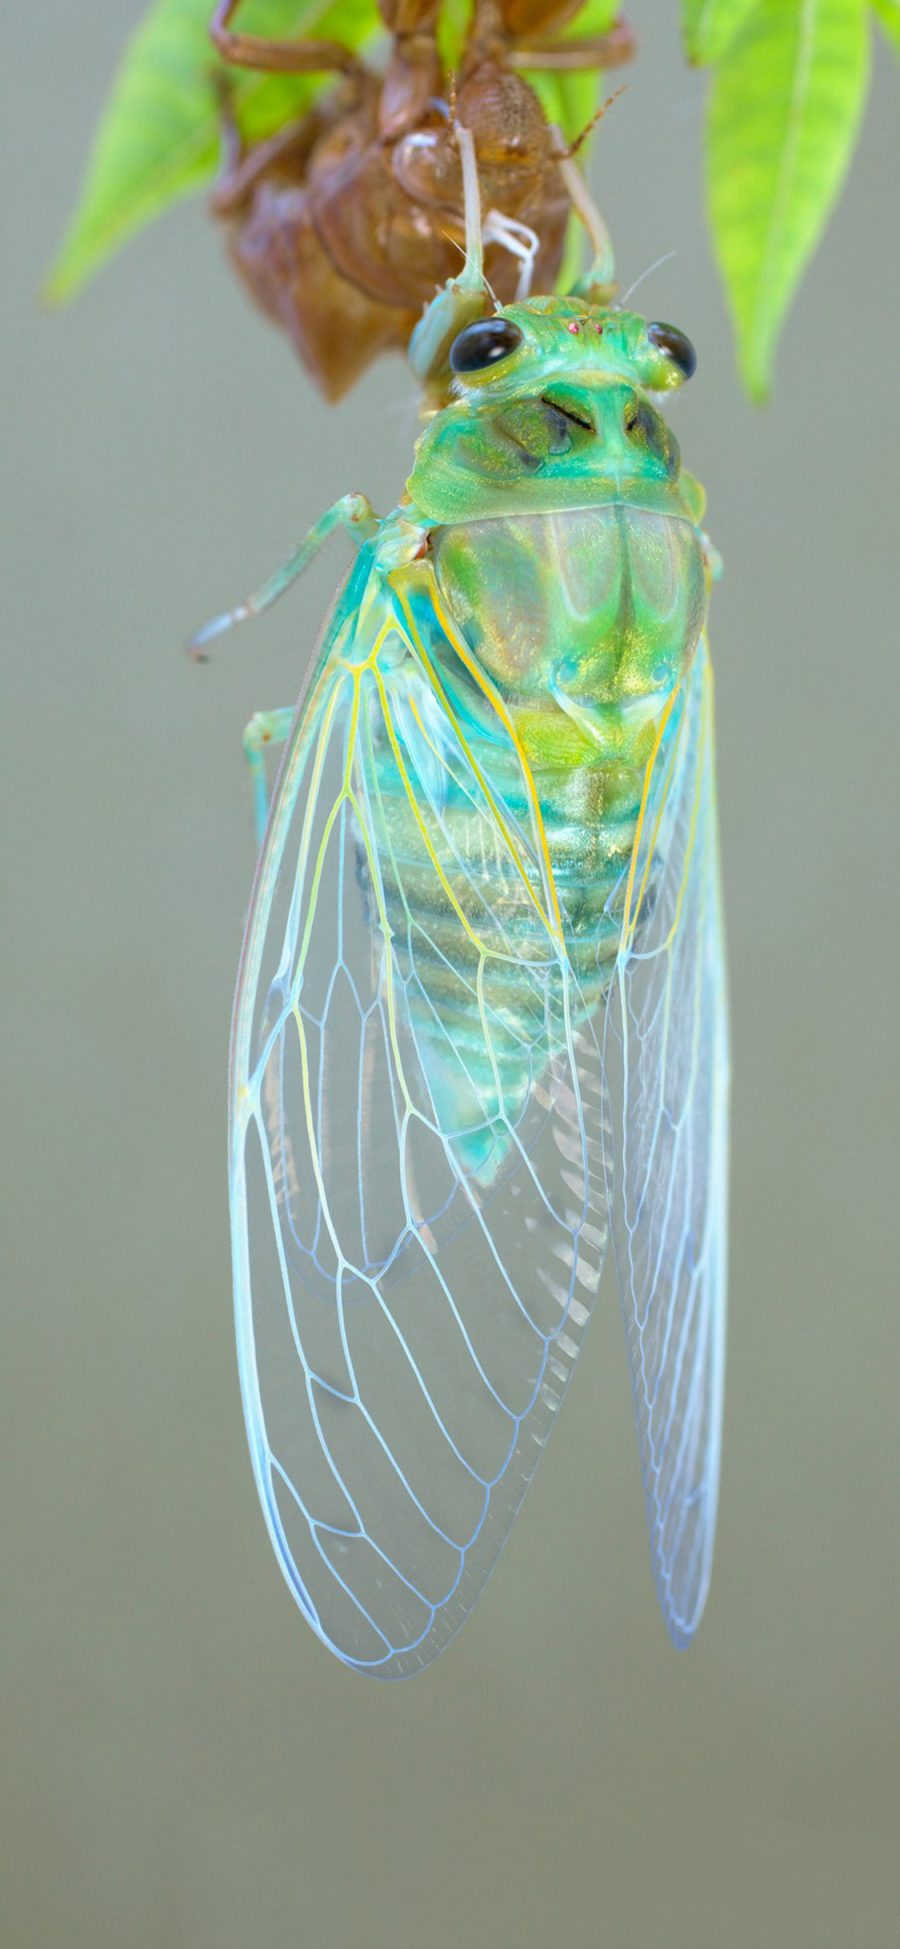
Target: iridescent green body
{"x":550,"y":533}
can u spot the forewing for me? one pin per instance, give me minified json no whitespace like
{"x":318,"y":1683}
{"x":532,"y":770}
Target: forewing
{"x":667,"y":1062}
{"x":418,"y":1190}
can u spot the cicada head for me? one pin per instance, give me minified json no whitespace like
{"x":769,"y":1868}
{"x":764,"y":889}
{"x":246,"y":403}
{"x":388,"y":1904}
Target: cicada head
{"x":554,"y":398}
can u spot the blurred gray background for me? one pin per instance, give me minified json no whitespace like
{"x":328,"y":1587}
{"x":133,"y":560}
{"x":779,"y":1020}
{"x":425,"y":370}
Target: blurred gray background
{"x":181,"y":1762}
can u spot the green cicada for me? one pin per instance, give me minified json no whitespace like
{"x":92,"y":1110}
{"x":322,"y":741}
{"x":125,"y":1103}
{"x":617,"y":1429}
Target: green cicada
{"x":480,"y":1020}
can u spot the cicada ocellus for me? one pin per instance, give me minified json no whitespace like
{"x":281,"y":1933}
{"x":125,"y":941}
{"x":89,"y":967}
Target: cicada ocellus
{"x":480,"y":1019}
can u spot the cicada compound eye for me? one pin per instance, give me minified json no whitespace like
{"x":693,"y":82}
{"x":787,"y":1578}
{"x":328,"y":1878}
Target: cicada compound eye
{"x":676,"y":344}
{"x":484,"y":344}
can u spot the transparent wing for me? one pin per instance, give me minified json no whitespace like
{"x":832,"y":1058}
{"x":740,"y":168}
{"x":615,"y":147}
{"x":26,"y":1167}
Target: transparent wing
{"x":417,"y":1176}
{"x":667,"y":1063}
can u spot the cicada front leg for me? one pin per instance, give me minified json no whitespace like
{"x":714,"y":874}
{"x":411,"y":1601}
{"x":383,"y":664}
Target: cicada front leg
{"x":243,"y":166}
{"x":464,"y":298}
{"x":279,"y":57}
{"x":528,"y":33}
{"x":414,"y":76}
{"x":352,"y":511}
{"x":598,"y":282}
{"x":600,"y":51}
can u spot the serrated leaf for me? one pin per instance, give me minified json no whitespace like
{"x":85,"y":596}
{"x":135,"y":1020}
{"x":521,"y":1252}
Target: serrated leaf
{"x":784,"y":113}
{"x":158,"y":139}
{"x":708,"y":27}
{"x":888,"y":13}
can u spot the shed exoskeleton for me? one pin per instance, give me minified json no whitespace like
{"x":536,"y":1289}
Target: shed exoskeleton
{"x":343,"y":224}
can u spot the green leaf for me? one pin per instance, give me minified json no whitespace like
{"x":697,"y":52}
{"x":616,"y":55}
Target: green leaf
{"x":159,"y":136}
{"x":888,"y":13}
{"x":709,"y":26}
{"x":784,"y":113}
{"x":453,"y":26}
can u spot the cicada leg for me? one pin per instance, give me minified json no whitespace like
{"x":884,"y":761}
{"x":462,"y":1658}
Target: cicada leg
{"x":279,"y":57}
{"x":414,"y":74}
{"x":463,"y":298}
{"x":609,"y":50}
{"x":265,"y":729}
{"x":241,"y":167}
{"x":352,"y":511}
{"x":599,"y":280}
{"x":405,"y":17}
{"x":521,"y":242}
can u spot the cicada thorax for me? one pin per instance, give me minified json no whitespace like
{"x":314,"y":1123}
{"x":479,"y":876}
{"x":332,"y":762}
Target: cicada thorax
{"x":568,"y":560}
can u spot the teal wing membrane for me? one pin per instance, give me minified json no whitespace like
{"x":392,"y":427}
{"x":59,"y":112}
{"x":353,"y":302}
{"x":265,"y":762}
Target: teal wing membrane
{"x":417,"y":1150}
{"x":666,"y":1060}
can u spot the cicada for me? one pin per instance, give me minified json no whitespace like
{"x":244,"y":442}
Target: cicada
{"x":480,"y":1023}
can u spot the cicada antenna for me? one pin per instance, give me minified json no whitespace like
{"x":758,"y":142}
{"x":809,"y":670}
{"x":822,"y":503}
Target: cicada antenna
{"x":597,"y":116}
{"x":666,"y":258}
